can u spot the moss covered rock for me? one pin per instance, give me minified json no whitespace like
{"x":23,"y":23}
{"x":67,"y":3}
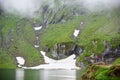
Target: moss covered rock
{"x":101,"y":71}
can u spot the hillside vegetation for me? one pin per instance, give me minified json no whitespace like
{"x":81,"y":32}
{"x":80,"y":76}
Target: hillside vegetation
{"x":99,"y":30}
{"x":17,"y":39}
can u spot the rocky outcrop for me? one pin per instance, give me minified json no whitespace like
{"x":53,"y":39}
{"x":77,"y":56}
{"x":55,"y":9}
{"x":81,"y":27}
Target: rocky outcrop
{"x":59,"y":13}
{"x":101,"y":71}
{"x":110,"y":55}
{"x":62,"y":50}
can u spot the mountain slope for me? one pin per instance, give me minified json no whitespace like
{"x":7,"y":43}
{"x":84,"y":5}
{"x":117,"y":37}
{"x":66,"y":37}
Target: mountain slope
{"x":17,"y":39}
{"x":98,"y":31}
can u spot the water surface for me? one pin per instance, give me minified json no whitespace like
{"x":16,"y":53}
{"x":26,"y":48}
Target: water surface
{"x":27,"y":74}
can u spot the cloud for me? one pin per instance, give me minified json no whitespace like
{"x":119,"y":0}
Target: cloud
{"x":29,"y":7}
{"x":96,"y":5}
{"x":21,"y":7}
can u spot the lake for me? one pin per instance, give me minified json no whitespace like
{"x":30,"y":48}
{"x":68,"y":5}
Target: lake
{"x":41,"y":74}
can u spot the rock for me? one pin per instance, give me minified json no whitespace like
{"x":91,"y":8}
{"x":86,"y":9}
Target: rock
{"x":109,"y":55}
{"x":81,"y":64}
{"x":101,"y":71}
{"x":100,"y":63}
{"x":62,"y":50}
{"x":115,"y":71}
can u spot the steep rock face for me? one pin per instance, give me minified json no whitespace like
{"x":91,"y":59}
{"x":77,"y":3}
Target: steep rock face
{"x":62,"y":50}
{"x":108,"y":56}
{"x":58,"y":13}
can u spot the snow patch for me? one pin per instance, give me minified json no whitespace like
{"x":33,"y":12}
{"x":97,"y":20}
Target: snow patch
{"x":38,"y":28}
{"x":68,"y":63}
{"x":81,"y":22}
{"x":47,"y":59}
{"x":20,"y":61}
{"x":76,"y":32}
{"x":36,"y":46}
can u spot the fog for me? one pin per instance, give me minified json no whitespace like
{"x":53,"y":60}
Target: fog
{"x":98,"y":5}
{"x":21,"y":7}
{"x":29,"y":7}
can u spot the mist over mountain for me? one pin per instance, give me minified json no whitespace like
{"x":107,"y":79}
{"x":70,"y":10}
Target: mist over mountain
{"x":98,"y":5}
{"x":21,"y":7}
{"x":30,"y":7}
{"x":60,"y":28}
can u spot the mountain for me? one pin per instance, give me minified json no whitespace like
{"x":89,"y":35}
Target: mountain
{"x":66,"y":29}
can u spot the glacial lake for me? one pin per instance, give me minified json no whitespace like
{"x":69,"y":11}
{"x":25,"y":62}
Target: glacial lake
{"x":41,"y":74}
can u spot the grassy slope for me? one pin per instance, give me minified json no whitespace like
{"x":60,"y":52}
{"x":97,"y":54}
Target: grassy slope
{"x":6,"y":60}
{"x":58,"y":33}
{"x":22,"y":44}
{"x":99,"y":27}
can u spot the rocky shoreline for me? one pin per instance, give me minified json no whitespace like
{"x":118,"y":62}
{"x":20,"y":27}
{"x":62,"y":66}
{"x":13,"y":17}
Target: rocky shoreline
{"x":102,"y":71}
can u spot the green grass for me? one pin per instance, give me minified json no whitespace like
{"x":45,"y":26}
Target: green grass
{"x":117,"y":61}
{"x":24,"y":49}
{"x":22,"y":45}
{"x":6,"y":61}
{"x":9,"y":24}
{"x":98,"y":28}
{"x":101,"y":72}
{"x":58,"y":33}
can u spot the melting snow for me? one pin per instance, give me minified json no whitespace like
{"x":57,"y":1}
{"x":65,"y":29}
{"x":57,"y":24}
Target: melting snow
{"x":68,"y":63}
{"x":81,"y":22}
{"x":76,"y":32}
{"x":20,"y":61}
{"x":47,"y":59}
{"x":38,"y":28}
{"x":36,"y":46}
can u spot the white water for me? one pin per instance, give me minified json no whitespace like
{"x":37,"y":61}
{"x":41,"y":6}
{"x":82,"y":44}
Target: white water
{"x":68,"y":63}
